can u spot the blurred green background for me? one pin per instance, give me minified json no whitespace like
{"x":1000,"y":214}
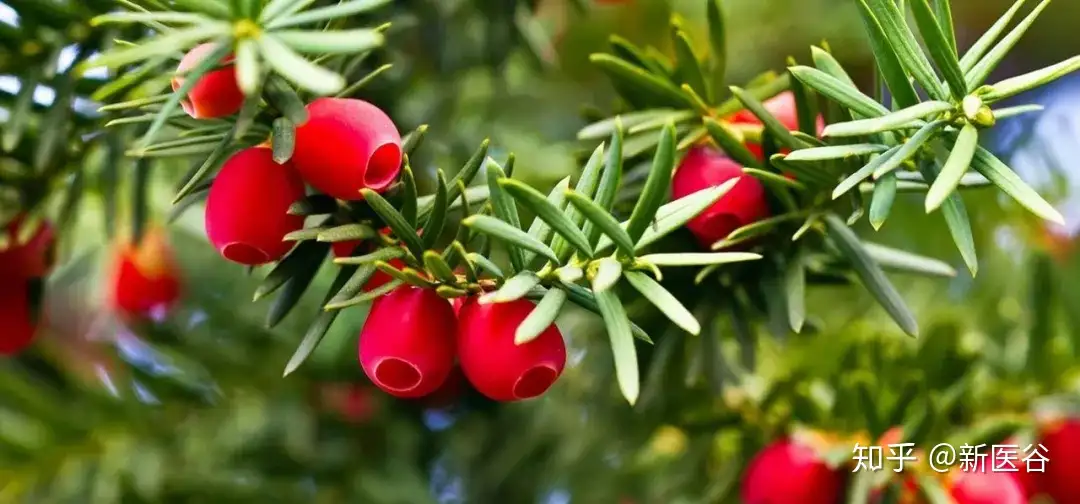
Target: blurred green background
{"x":194,"y":409}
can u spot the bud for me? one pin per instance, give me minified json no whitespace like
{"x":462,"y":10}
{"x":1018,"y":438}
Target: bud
{"x":347,"y":145}
{"x":745,"y":203}
{"x":246,"y":210}
{"x":25,"y":258}
{"x":144,"y":277}
{"x":498,"y":368}
{"x":216,"y":94}
{"x":787,"y":471}
{"x":407,"y":343}
{"x":15,"y":317}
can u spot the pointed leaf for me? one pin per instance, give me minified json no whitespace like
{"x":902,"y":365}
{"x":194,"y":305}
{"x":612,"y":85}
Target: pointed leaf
{"x":157,"y":46}
{"x":901,"y":119}
{"x":718,"y":43}
{"x":795,"y":290}
{"x":505,"y":208}
{"x":540,"y":229}
{"x":347,"y":232}
{"x":689,"y":67}
{"x":510,"y":235}
{"x":900,"y":260}
{"x":838,"y":91}
{"x":297,"y":283}
{"x":551,"y":214}
{"x":887,"y":58}
{"x":284,"y":140}
{"x":191,"y":78}
{"x":698,"y":258}
{"x":676,"y":214}
{"x":384,"y":254}
{"x":436,"y":220}
{"x":978,"y":73}
{"x":658,"y":91}
{"x":1031,"y":80}
{"x":903,"y":41}
{"x":513,"y":289}
{"x":941,"y":46}
{"x":602,"y":221}
{"x":957,"y":164}
{"x":835,"y":152}
{"x":956,"y":218}
{"x":1006,"y":179}
{"x":864,"y":173}
{"x":909,"y":149}
{"x":339,"y":10}
{"x":733,"y":146}
{"x":871,"y":274}
{"x":409,"y":197}
{"x":771,"y":123}
{"x":882,"y":201}
{"x":331,"y":42}
{"x":664,"y":301}
{"x":987,"y":39}
{"x":485,"y":264}
{"x":656,"y":187}
{"x":297,"y":69}
{"x":395,"y":221}
{"x":541,"y":317}
{"x":622,"y":344}
{"x":608,"y":186}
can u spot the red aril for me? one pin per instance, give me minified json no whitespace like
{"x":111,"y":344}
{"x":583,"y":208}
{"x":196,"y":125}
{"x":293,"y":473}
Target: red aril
{"x":745,"y":203}
{"x":216,"y":94}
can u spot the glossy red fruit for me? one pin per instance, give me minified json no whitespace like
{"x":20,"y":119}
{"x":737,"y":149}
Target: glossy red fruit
{"x":781,"y":106}
{"x":787,"y":472}
{"x":985,"y":487}
{"x":457,"y":303}
{"x":246,"y":210}
{"x":216,"y":94}
{"x":29,"y":258}
{"x":1061,"y":478}
{"x":18,"y":327}
{"x":494,"y":364}
{"x":144,"y":278}
{"x":347,"y":145}
{"x":408,"y":341}
{"x":345,"y":248}
{"x":745,"y":203}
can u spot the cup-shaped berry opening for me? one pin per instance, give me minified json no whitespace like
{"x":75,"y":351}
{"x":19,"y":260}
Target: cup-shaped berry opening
{"x":397,"y":375}
{"x":244,"y":253}
{"x":535,"y":381}
{"x":383,"y":166}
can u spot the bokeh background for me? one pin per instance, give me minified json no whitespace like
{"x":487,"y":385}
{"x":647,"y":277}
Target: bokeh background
{"x":193,"y":408}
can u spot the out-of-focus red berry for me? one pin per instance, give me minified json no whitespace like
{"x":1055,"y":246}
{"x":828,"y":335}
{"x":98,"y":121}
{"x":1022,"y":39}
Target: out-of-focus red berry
{"x":745,"y":203}
{"x":985,"y":487}
{"x":781,"y":106}
{"x":29,"y":258}
{"x":216,"y":94}
{"x":246,"y":210}
{"x":351,"y":401}
{"x":1061,"y":478}
{"x":347,"y":145}
{"x":17,"y":327}
{"x":786,"y":472}
{"x":494,"y":364}
{"x":408,"y":341}
{"x":144,"y":277}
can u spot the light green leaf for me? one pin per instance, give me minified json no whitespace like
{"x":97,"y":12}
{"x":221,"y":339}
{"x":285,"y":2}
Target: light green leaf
{"x":340,"y":10}
{"x":903,"y":41}
{"x":901,"y":119}
{"x":1006,"y":179}
{"x":941,"y":45}
{"x":606,"y":127}
{"x":956,"y":218}
{"x":312,"y":338}
{"x":608,"y":186}
{"x":871,"y":274}
{"x":983,"y":44}
{"x":551,"y":214}
{"x":622,"y":344}
{"x":543,"y":232}
{"x":957,"y":164}
{"x":602,"y":221}
{"x":1031,"y":80}
{"x":943,"y":14}
{"x":608,"y":272}
{"x":732,"y":145}
{"x":910,"y":148}
{"x":676,"y":214}
{"x":384,"y":254}
{"x":513,"y":289}
{"x":248,"y":73}
{"x":835,"y":152}
{"x":485,"y":264}
{"x":510,"y":235}
{"x":698,"y":258}
{"x":882,"y":201}
{"x":1007,"y":112}
{"x":284,"y":139}
{"x":656,"y":186}
{"x":795,"y":289}
{"x":465,"y":175}
{"x":145,"y":17}
{"x":900,"y":260}
{"x":838,"y":91}
{"x":978,"y":73}
{"x":346,"y":232}
{"x":298,"y":69}
{"x":331,"y":42}
{"x":276,"y":8}
{"x":541,"y":317}
{"x":504,"y":206}
{"x":893,"y":70}
{"x":664,"y":301}
{"x":157,"y":46}
{"x":863,"y":173}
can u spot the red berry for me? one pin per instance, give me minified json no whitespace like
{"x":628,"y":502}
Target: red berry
{"x":345,"y":248}
{"x":380,"y":279}
{"x":347,"y":145}
{"x":216,"y":94}
{"x":986,"y":487}
{"x":15,"y":317}
{"x":781,"y":106}
{"x":494,"y":364}
{"x":787,"y":472}
{"x":1061,"y":479}
{"x":30,"y":259}
{"x":745,"y":203}
{"x":407,"y":343}
{"x":246,"y":211}
{"x":144,"y":277}
{"x":457,"y":303}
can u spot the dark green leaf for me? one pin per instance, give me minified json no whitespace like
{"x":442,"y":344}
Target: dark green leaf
{"x":395,"y":221}
{"x":887,"y":59}
{"x":551,"y":214}
{"x":909,"y":149}
{"x":408,"y":198}
{"x":515,"y":238}
{"x":436,"y":221}
{"x":771,"y":123}
{"x":543,"y":232}
{"x":190,"y":79}
{"x":847,"y":95}
{"x":718,"y":43}
{"x":297,"y":283}
{"x":602,"y":221}
{"x":608,"y":186}
{"x":658,"y":91}
{"x":864,"y":173}
{"x":284,"y":139}
{"x":941,"y":46}
{"x":505,"y":208}
{"x":835,"y":152}
{"x":795,"y":288}
{"x":732,"y":145}
{"x":347,"y":232}
{"x":906,"y":46}
{"x":656,"y":187}
{"x":943,"y":14}
{"x":297,"y":262}
{"x":541,"y":317}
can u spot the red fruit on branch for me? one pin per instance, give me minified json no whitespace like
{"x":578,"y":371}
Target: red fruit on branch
{"x":347,"y":145}
{"x":407,"y":343}
{"x":494,"y":364}
{"x":745,"y":203}
{"x":985,"y":487}
{"x":457,"y":303}
{"x":17,"y":327}
{"x":246,"y":210}
{"x":217,"y":93}
{"x":30,"y":258}
{"x":1061,"y":479}
{"x":786,"y":472}
{"x":781,"y":106}
{"x":144,"y":277}
{"x":345,"y":248}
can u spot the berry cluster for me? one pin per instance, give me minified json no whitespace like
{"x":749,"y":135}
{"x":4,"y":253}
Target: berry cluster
{"x":794,"y":470}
